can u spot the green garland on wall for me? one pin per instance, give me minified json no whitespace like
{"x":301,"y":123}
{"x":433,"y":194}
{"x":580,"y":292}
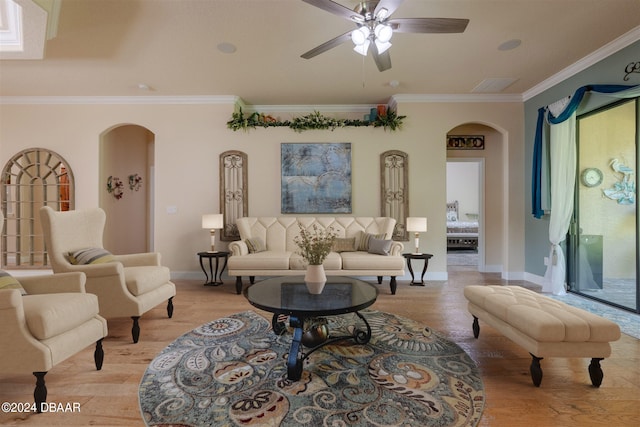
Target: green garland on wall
{"x":315,"y":120}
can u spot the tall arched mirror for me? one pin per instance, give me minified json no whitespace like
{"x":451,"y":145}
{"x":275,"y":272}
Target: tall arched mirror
{"x":31,"y":179}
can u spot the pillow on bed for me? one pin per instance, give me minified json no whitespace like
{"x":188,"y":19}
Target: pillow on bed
{"x":452,"y":216}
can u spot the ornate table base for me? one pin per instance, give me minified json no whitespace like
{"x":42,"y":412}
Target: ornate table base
{"x":297,"y":355}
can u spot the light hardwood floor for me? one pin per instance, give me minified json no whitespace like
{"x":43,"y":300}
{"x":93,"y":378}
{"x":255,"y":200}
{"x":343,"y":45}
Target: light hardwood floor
{"x":565,"y":398}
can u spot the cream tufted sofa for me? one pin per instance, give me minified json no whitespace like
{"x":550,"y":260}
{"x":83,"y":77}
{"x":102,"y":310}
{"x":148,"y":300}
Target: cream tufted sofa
{"x":281,"y":258}
{"x":543,"y":326}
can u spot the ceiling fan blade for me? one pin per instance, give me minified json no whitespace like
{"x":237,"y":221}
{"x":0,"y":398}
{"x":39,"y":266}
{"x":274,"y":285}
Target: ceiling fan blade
{"x":390,"y":5}
{"x":428,"y":25}
{"x":383,"y":60}
{"x":333,"y":7}
{"x":327,"y":45}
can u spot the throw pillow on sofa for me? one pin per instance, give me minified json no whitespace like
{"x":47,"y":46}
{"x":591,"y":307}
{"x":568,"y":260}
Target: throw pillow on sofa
{"x":90,"y":256}
{"x":379,"y":246}
{"x":363,"y":243}
{"x":344,"y":244}
{"x":255,"y":245}
{"x":7,"y":281}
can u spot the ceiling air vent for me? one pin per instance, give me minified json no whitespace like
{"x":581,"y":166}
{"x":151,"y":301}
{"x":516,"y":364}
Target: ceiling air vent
{"x":494,"y":85}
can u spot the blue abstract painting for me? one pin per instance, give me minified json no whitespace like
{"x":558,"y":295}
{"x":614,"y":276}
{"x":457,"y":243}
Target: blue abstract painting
{"x":316,"y":178}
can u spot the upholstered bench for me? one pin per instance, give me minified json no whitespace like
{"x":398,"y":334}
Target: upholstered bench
{"x":543,"y":326}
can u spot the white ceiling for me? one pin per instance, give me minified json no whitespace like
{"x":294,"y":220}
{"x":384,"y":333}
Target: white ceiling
{"x":112,"y":47}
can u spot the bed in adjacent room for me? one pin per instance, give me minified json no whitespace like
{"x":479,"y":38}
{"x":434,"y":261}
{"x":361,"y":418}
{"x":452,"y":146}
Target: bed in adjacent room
{"x":461,"y":233}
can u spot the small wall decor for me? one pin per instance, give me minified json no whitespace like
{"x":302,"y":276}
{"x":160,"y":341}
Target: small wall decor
{"x":591,"y":177}
{"x":135,"y":182}
{"x":316,"y":178}
{"x":465,"y":142}
{"x":114,"y":187}
{"x":624,"y":191}
{"x":632,"y":67}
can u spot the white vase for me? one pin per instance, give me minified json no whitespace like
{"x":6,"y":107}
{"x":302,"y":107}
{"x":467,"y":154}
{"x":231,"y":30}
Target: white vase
{"x":315,"y":279}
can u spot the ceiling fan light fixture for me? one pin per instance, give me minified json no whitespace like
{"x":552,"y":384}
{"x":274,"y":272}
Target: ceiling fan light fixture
{"x":383,"y":32}
{"x":360,"y":35}
{"x":363,"y":48}
{"x":382,"y":46}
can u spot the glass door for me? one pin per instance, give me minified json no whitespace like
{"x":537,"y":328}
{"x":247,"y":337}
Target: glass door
{"x":603,"y":241}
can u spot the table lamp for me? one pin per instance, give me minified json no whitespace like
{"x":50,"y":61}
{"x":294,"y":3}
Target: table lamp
{"x":417,"y":225}
{"x":212,"y":221}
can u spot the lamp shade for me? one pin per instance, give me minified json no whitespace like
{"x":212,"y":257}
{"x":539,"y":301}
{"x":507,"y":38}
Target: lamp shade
{"x":417,"y":224}
{"x":212,"y":221}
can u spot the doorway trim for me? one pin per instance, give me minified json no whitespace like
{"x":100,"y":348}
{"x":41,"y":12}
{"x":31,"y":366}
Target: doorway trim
{"x":481,"y":217}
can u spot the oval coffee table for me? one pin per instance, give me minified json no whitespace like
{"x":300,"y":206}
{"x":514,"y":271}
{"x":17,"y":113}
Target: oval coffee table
{"x":288,"y":296}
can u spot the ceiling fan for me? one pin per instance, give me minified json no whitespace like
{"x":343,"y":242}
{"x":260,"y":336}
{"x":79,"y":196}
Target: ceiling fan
{"x":375,"y":28}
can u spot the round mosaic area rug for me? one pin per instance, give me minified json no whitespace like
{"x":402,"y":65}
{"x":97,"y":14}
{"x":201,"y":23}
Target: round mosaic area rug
{"x":232,"y":372}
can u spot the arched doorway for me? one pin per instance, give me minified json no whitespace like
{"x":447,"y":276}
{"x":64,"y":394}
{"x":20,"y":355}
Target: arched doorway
{"x":482,"y":175}
{"x":126,"y":193}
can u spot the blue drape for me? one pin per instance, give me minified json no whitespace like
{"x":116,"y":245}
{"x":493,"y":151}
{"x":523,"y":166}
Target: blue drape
{"x":536,"y":182}
{"x":574,"y":103}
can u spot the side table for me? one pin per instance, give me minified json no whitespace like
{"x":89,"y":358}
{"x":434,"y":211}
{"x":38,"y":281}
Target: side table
{"x":426,"y":258}
{"x":216,"y":279}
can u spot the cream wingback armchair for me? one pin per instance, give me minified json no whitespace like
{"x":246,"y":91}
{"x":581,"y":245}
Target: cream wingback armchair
{"x":126,"y":285}
{"x":53,"y":321}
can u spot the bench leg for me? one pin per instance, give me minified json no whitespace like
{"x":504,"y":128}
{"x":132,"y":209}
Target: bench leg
{"x":536,"y":370}
{"x":476,"y":327}
{"x":595,"y":372}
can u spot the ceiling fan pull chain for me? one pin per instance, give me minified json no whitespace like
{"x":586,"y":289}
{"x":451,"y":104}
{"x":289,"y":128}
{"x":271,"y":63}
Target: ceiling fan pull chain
{"x":363,"y":72}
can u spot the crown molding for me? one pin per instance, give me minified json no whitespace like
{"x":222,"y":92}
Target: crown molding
{"x":325,"y":108}
{"x":120,"y":100}
{"x":604,"y":52}
{"x":431,"y":98}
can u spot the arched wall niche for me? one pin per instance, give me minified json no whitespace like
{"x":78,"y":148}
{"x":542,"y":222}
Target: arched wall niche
{"x":492,"y":175}
{"x":127,"y":159}
{"x":31,"y":179}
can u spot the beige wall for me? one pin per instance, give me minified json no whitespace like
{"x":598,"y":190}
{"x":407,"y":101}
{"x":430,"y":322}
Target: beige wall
{"x":190,"y":137}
